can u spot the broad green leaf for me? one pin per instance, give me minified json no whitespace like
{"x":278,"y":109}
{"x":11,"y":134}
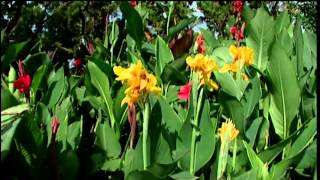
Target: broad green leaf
{"x":18,"y":109}
{"x":285,"y":98}
{"x":133,"y":159}
{"x":256,"y":162}
{"x":251,"y":174}
{"x":74,"y":134}
{"x":38,"y":79}
{"x":210,"y":41}
{"x":278,"y":170}
{"x":107,"y":140}
{"x":205,"y":145}
{"x":11,"y":54}
{"x":34,"y":61}
{"x":101,"y":83}
{"x":299,"y":43}
{"x":172,"y":121}
{"x":179,"y":27}
{"x":183,"y":175}
{"x":120,"y":110}
{"x":234,"y":109}
{"x":134,"y":25}
{"x":174,"y":71}
{"x":111,"y":165}
{"x":231,"y":86}
{"x":251,"y":133}
{"x":7,"y":98}
{"x":310,"y":157}
{"x":7,"y":134}
{"x":282,"y":21}
{"x":163,"y":55}
{"x":251,"y":96}
{"x":304,"y":139}
{"x":261,"y":34}
{"x":268,"y":155}
{"x":56,"y":88}
{"x":162,"y":170}
{"x":62,"y":113}
{"x":222,"y":55}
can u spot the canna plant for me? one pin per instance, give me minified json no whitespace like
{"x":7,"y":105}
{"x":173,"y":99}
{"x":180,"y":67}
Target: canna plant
{"x":183,"y":105}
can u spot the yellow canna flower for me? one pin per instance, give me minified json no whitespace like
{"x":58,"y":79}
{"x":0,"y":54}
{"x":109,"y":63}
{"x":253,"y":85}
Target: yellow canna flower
{"x":139,"y":82}
{"x":226,"y":127}
{"x":241,"y":56}
{"x":204,"y":66}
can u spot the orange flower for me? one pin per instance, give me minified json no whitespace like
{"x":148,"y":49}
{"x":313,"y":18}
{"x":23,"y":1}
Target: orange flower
{"x":204,"y":66}
{"x":139,"y":82}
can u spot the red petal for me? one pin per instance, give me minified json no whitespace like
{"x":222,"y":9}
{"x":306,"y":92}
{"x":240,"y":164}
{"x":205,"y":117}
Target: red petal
{"x":184,"y":92}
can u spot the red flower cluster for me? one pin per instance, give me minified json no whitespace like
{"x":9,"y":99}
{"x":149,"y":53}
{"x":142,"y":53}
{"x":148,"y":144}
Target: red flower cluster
{"x":237,"y":6}
{"x":23,"y":82}
{"x":200,"y":42}
{"x":237,"y":33}
{"x":184,"y":92}
{"x":133,"y":3}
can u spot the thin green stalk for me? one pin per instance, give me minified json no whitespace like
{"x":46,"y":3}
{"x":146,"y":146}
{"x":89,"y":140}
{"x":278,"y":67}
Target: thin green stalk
{"x":234,"y":155}
{"x":169,"y":15}
{"x":194,"y":133}
{"x":145,"y":125}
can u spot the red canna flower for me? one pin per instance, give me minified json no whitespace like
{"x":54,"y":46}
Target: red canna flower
{"x":232,"y":30}
{"x":78,"y":63}
{"x":184,"y":92}
{"x":24,"y":81}
{"x":55,"y":125}
{"x":237,"y":6}
{"x":200,"y":42}
{"x":133,"y":3}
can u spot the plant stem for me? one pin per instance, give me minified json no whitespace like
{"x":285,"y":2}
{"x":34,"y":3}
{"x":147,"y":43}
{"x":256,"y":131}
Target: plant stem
{"x":195,"y":133}
{"x":234,"y":155}
{"x":169,"y":15}
{"x":145,"y":134}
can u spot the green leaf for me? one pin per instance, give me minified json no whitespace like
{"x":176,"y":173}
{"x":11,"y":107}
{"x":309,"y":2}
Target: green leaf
{"x":285,"y":98}
{"x":111,"y":165}
{"x":34,"y":61}
{"x":251,"y":96}
{"x":172,"y":121}
{"x":163,"y":55}
{"x":56,"y":88}
{"x":251,"y":174}
{"x":209,"y":40}
{"x":101,"y":83}
{"x":183,"y":175}
{"x":234,"y":109}
{"x":279,"y":169}
{"x":134,"y":25}
{"x":7,"y":134}
{"x":205,"y":145}
{"x":38,"y":78}
{"x":256,"y":162}
{"x":261,"y":34}
{"x":12,"y":76}
{"x":179,"y":27}
{"x":7,"y":98}
{"x":282,"y":21}
{"x":174,"y":71}
{"x":231,"y":86}
{"x":74,"y":134}
{"x":11,"y":54}
{"x":251,"y":133}
{"x":304,"y":139}
{"x":299,"y":43}
{"x":107,"y":140}
{"x":310,"y":157}
{"x":268,"y":155}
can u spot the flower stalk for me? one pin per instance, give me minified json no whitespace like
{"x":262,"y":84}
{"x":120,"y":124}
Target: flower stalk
{"x":146,"y":115}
